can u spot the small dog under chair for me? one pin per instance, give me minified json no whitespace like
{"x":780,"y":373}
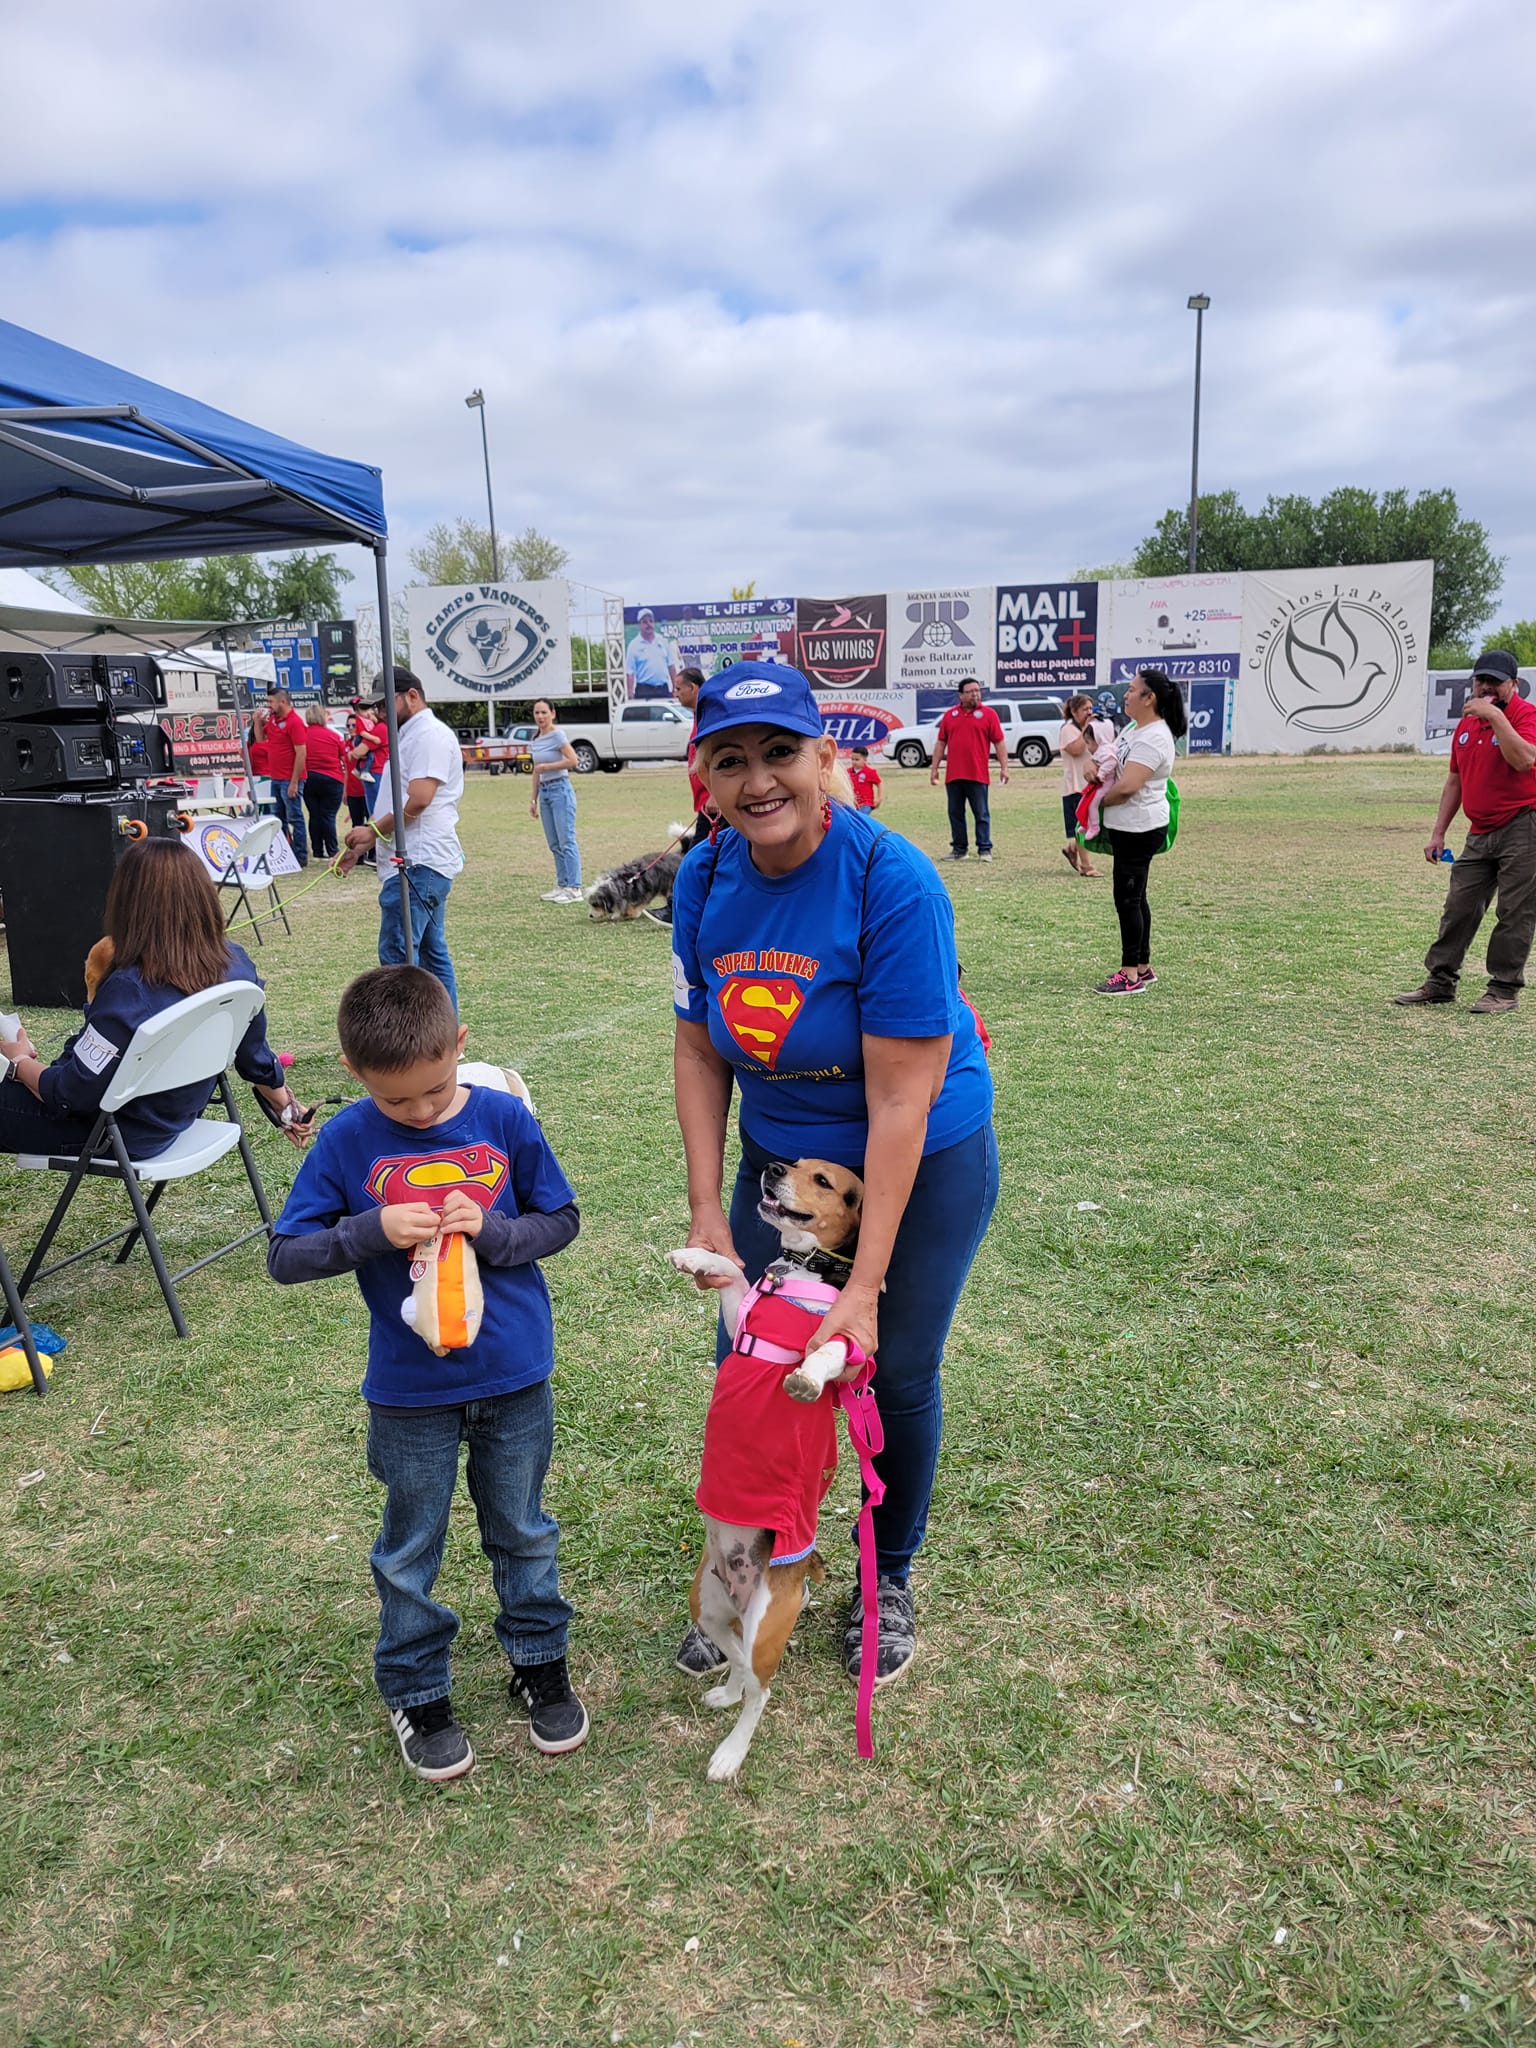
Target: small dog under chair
{"x":625,"y":891}
{"x":770,"y":1443}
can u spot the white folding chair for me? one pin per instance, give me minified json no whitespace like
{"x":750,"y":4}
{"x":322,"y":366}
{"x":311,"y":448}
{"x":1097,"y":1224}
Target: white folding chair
{"x":255,"y":846}
{"x":505,"y":1080}
{"x":194,"y":1040}
{"x":18,"y":1316}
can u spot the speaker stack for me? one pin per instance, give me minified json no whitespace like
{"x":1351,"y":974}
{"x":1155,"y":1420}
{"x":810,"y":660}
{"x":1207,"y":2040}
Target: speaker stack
{"x":76,"y":749}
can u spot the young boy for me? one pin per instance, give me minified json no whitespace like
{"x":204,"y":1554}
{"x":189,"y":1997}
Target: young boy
{"x":382,"y":1176}
{"x":865,"y":780}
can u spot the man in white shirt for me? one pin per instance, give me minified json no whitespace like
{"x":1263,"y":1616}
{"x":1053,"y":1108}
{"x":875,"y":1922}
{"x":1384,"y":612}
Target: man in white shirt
{"x":432,"y":777}
{"x":648,"y":661}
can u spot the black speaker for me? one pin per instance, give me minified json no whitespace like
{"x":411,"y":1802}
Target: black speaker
{"x":37,"y":756}
{"x":57,"y":854}
{"x":79,"y":685}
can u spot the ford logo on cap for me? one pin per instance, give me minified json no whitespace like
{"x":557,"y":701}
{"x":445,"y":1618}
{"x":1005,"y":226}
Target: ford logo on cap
{"x":738,"y":691}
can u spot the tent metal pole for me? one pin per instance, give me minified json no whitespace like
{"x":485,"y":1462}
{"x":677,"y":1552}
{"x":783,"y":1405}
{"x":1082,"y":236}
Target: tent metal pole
{"x":396,"y":793}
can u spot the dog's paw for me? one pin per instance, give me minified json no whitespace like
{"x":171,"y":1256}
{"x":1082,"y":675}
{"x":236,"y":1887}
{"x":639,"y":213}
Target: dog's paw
{"x":720,"y":1696}
{"x":702,"y":1264}
{"x":724,"y":1764}
{"x":801,"y":1387}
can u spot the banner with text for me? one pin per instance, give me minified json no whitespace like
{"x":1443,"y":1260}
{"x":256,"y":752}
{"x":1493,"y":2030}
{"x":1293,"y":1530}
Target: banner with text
{"x":867,"y":719}
{"x":1445,"y":699}
{"x":1333,"y":658}
{"x":840,"y":642}
{"x":474,"y":641}
{"x":939,"y":637}
{"x":1191,"y":627}
{"x":660,"y":639}
{"x":1047,"y":636}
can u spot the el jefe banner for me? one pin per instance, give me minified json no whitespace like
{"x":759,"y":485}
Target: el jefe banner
{"x":1333,"y":657}
{"x":491,"y":640}
{"x":660,"y":639}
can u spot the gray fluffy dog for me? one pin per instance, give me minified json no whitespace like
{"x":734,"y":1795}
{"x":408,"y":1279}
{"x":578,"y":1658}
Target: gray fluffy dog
{"x":626,"y":890}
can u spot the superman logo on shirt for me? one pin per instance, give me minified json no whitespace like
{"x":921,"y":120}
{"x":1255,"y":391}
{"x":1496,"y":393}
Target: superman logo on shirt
{"x":760,"y":1012}
{"x":482,"y":1171}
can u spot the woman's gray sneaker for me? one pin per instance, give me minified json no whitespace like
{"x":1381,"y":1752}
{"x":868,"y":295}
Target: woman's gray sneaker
{"x":698,"y":1656}
{"x":896,"y":1643}
{"x":433,"y":1744}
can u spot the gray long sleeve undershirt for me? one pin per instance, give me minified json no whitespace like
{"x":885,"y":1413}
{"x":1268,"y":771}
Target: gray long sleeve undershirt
{"x":503,"y":1241}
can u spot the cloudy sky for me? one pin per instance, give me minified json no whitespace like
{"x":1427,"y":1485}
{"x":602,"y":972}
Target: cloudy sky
{"x":830,"y":296}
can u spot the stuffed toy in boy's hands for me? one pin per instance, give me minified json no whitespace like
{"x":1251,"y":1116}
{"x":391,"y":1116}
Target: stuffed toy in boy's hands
{"x":445,"y":1304}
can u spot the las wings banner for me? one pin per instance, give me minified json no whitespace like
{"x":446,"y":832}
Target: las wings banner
{"x":1333,"y":658}
{"x":477,"y":641}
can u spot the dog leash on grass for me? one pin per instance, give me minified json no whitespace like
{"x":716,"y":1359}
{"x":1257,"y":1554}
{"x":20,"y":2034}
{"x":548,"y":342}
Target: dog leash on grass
{"x":245,"y":923}
{"x":866,"y":1433}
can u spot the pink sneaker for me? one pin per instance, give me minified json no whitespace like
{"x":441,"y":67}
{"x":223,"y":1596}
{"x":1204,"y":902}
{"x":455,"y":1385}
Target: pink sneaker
{"x":1123,"y":982}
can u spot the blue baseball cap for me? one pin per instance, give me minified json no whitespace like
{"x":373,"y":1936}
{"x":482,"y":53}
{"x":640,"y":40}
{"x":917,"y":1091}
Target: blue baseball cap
{"x":757,"y":693}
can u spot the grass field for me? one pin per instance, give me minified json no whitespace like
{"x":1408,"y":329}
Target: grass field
{"x":1223,"y":1727}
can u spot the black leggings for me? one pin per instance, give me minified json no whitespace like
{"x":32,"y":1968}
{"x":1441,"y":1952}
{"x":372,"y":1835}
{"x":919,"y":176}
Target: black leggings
{"x":1133,"y":854}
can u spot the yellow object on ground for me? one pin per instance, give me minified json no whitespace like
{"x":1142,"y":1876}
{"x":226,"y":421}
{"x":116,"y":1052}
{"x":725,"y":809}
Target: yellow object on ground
{"x":15,"y":1371}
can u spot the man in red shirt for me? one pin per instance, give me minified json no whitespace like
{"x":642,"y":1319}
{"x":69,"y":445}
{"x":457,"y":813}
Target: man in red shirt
{"x":968,"y":732}
{"x":287,"y":738}
{"x":686,"y":689}
{"x":1492,"y":777}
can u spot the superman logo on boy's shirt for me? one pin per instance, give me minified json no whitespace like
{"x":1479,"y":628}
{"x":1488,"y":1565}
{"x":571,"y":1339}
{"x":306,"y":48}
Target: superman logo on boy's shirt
{"x":760,"y":1013}
{"x":480,"y":1170}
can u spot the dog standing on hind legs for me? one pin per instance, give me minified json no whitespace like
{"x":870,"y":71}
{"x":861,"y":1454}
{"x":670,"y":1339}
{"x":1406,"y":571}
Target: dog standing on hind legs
{"x":770,"y":1440}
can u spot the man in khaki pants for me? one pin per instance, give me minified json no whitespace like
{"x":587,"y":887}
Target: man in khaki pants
{"x":1492,"y":777}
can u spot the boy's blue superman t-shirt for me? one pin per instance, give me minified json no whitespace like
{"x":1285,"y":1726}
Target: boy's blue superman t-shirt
{"x":495,"y":1151}
{"x":790,"y":973}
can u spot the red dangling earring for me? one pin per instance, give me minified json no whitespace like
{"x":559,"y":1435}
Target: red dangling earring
{"x":826,"y":812}
{"x":714,"y":832}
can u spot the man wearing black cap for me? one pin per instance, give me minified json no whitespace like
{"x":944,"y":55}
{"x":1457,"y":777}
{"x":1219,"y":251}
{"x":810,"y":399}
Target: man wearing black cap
{"x":1492,"y":777}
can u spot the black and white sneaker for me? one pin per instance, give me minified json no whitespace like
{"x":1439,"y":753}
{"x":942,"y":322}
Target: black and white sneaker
{"x":433,"y":1744}
{"x":661,"y":915}
{"x":697,"y":1656}
{"x":896,"y":1643}
{"x":557,"y":1721}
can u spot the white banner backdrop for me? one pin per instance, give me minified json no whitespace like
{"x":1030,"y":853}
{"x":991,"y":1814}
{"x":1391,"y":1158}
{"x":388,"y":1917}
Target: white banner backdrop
{"x":1333,"y":658}
{"x":939,"y":636}
{"x":474,"y":641}
{"x":1191,"y":627}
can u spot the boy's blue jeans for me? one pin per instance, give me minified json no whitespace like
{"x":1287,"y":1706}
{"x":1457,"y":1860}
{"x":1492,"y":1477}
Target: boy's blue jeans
{"x":417,"y":1458}
{"x":946,"y":1218}
{"x":428,"y":893}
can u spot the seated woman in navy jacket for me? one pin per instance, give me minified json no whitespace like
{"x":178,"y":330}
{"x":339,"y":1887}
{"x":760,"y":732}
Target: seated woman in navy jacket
{"x":167,"y":931}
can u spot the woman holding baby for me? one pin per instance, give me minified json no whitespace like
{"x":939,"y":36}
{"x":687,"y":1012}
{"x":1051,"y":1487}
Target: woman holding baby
{"x":814,"y":970}
{"x":1136,"y":816}
{"x":1080,"y":738}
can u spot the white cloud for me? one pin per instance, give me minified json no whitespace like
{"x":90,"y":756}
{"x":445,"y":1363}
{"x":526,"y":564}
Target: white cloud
{"x":829,"y":297}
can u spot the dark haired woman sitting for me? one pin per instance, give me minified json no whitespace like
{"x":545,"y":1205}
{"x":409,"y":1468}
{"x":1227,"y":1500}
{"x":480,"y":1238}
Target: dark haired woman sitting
{"x":164,"y":940}
{"x":1136,"y":818}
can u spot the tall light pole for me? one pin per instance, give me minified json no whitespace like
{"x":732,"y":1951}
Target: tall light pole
{"x":1197,"y":305}
{"x":476,"y":403}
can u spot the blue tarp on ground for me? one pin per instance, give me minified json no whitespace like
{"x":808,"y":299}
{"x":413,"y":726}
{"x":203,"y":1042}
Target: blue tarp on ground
{"x":238,"y":489}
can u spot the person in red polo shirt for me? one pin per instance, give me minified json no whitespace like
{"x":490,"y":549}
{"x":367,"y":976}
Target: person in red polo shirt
{"x":287,"y":738}
{"x":1492,"y":777}
{"x":968,"y":732}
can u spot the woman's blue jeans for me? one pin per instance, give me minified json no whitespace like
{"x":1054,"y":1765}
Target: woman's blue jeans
{"x":946,"y":1218}
{"x":557,"y":814}
{"x":416,"y":1456}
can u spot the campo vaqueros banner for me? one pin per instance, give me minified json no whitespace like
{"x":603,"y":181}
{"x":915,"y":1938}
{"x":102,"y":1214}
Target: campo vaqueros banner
{"x":1047,"y":636}
{"x":1333,"y":658}
{"x":939,"y":637}
{"x":840,"y":642}
{"x":660,"y":639}
{"x":491,"y":640}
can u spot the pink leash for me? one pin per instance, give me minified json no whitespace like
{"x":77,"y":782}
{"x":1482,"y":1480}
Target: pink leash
{"x":867,"y":1436}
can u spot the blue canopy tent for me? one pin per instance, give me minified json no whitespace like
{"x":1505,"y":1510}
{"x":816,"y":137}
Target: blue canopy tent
{"x":98,"y":465}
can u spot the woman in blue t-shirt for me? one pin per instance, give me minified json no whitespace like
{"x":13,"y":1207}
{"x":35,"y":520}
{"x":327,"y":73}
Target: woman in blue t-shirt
{"x":814,"y":968}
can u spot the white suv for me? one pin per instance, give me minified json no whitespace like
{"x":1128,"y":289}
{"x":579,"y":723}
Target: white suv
{"x":1030,"y":730}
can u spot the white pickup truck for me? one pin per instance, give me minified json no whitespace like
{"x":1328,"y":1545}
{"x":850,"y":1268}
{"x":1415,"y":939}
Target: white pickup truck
{"x":650,"y":730}
{"x":1031,"y":728}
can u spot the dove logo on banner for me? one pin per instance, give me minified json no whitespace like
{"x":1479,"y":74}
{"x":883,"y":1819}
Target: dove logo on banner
{"x":1334,"y":658}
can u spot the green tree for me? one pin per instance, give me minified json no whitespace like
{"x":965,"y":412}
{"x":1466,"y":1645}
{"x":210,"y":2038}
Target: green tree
{"x":1520,"y":639}
{"x":1348,"y":526}
{"x":1109,"y":572}
{"x":740,"y":592}
{"x":461,"y":553}
{"x":232,"y":588}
